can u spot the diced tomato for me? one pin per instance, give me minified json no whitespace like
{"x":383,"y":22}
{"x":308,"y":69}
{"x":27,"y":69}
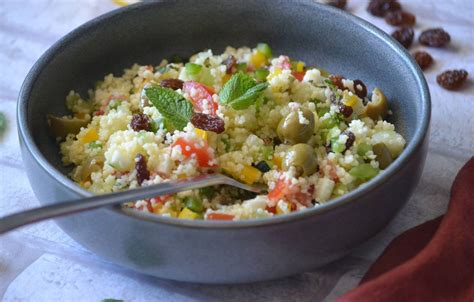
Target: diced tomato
{"x":219,"y":216}
{"x":99,"y":112}
{"x":271,"y":209}
{"x":188,"y":148}
{"x":160,"y":199}
{"x":280,"y":190}
{"x":304,"y":198}
{"x":199,"y":94}
{"x":299,"y":75}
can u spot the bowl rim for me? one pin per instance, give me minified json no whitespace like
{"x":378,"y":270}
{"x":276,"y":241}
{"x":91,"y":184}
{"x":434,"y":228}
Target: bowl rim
{"x":417,"y":140}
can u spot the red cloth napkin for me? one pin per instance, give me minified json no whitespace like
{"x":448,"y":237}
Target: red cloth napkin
{"x":431,"y":262}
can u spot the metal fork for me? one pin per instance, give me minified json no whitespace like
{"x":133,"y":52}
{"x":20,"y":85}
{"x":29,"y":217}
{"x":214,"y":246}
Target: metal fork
{"x":64,"y":208}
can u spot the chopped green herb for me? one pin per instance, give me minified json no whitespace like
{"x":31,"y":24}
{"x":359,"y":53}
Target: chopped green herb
{"x":95,"y":145}
{"x":333,"y":87}
{"x":114,"y":104}
{"x":175,"y":109}
{"x":208,"y":192}
{"x":192,"y":69}
{"x":241,"y":91}
{"x":322,"y":111}
{"x":163,"y":69}
{"x":111,"y":300}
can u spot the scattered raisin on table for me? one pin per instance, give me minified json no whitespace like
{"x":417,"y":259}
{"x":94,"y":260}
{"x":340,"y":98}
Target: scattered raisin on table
{"x":337,"y":3}
{"x":140,"y":121}
{"x":360,"y":89}
{"x":337,"y":80}
{"x":380,"y":7}
{"x":230,"y":63}
{"x":174,"y":84}
{"x":452,"y":79}
{"x":141,"y":168}
{"x":208,"y":122}
{"x":346,"y":111}
{"x":404,"y":36}
{"x":423,"y":59}
{"x":435,"y":37}
{"x":400,"y":18}
{"x":350,"y":139}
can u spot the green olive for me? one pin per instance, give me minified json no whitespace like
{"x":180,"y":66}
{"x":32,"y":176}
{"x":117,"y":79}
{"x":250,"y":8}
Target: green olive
{"x":378,"y":106}
{"x":303,"y":158}
{"x":62,"y":126}
{"x":290,"y":131}
{"x":383,"y":155}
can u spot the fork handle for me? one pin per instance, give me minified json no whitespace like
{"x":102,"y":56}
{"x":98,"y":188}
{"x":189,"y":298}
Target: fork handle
{"x":63,"y":208}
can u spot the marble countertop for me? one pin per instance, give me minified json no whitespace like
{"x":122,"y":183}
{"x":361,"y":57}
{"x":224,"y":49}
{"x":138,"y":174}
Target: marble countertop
{"x":41,"y":263}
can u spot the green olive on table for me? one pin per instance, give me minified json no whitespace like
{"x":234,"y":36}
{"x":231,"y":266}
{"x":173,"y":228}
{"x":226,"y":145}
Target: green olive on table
{"x":291,"y":131}
{"x":303,"y":158}
{"x":383,"y":154}
{"x":62,"y":126}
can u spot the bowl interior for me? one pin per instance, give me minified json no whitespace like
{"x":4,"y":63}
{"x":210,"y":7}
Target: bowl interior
{"x":148,"y":32}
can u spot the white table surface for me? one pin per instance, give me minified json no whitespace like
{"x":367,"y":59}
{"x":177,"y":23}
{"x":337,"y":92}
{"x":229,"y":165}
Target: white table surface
{"x":41,"y":263}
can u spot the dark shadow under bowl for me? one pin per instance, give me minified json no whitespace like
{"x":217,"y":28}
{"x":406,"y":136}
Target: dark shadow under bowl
{"x":225,"y":252}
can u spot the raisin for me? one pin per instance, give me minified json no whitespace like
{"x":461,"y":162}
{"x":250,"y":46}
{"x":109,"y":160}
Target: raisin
{"x":262,"y":166}
{"x":141,"y":168}
{"x":208,"y":122}
{"x":423,"y":59}
{"x":174,"y":84}
{"x":230,"y":64}
{"x":337,"y":3}
{"x":404,"y":36}
{"x":337,"y":80}
{"x":381,"y":7}
{"x":346,"y":111}
{"x":350,"y":139}
{"x":140,"y":122}
{"x":400,"y":18}
{"x":435,"y":37}
{"x":452,"y":79}
{"x":360,"y":89}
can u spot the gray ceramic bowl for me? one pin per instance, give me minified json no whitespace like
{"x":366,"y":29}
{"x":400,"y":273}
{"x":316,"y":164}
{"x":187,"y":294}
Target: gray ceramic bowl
{"x":225,"y":252}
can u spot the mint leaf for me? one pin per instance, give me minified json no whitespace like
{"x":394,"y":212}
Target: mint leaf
{"x":174,"y":108}
{"x":249,"y":97}
{"x":241,"y":91}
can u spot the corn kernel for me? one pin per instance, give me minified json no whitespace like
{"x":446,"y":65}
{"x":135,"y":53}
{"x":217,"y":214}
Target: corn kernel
{"x":201,"y":133}
{"x":248,"y":175}
{"x":188,"y":214}
{"x":277,"y":160}
{"x":258,"y":59}
{"x":349,"y":99}
{"x":300,"y":66}
{"x":90,"y":136}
